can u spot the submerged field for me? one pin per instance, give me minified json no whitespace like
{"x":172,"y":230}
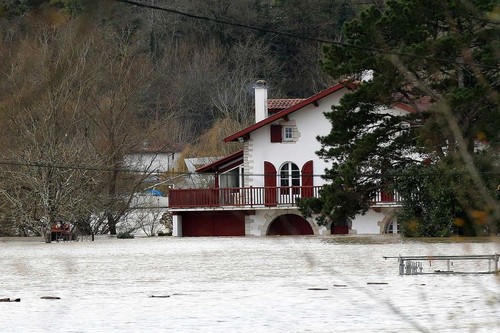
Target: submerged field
{"x":244,"y":284}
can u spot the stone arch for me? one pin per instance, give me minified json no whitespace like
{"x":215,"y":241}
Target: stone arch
{"x":289,"y":224}
{"x":389,"y":224}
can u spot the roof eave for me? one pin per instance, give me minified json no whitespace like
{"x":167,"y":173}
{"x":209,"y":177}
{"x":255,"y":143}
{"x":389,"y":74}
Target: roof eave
{"x":313,"y":99}
{"x":213,"y":167}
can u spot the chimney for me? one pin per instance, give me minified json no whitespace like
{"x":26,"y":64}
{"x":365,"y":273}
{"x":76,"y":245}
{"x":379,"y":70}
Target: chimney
{"x":260,"y":100}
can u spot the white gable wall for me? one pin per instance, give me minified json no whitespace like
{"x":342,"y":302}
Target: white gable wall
{"x":310,"y":122}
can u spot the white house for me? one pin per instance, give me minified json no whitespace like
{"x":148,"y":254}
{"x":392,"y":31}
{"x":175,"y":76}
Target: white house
{"x":256,"y":189}
{"x":153,"y":156}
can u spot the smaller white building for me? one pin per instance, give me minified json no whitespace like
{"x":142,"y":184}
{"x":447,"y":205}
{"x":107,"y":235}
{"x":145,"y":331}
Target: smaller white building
{"x":153,"y":156}
{"x":148,"y":207}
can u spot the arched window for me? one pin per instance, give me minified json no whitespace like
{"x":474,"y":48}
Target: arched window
{"x":290,"y":178}
{"x":392,"y":227}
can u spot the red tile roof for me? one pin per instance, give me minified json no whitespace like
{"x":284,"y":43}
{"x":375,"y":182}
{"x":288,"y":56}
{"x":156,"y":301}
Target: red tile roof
{"x":284,"y":103}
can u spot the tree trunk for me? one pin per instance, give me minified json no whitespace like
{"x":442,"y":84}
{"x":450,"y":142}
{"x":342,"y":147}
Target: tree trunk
{"x":111,"y":225}
{"x":48,"y":236}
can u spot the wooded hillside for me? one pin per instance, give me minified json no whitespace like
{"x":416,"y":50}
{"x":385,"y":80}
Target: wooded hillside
{"x":82,"y":83}
{"x":191,"y":71}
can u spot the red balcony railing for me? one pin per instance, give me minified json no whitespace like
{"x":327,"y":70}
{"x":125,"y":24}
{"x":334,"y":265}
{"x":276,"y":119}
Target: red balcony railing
{"x":386,"y":197}
{"x":240,"y":197}
{"x":253,"y":197}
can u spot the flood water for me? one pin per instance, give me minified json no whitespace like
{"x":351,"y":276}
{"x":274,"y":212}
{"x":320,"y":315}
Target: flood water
{"x":245,"y":284}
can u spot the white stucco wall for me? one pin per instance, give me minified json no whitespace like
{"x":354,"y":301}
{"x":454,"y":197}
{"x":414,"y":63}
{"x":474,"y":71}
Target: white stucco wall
{"x":310,"y":123}
{"x":368,"y":223}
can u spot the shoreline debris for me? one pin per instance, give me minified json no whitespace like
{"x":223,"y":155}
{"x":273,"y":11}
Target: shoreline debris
{"x":8,"y":299}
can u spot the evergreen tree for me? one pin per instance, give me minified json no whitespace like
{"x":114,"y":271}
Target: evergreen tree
{"x":441,"y":59}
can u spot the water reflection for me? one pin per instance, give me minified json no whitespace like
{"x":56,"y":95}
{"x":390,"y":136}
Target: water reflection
{"x":266,"y":284}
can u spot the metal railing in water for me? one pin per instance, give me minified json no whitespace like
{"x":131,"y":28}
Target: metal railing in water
{"x":454,"y":264}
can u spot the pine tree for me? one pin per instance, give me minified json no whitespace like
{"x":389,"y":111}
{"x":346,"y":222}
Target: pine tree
{"x":441,"y":59}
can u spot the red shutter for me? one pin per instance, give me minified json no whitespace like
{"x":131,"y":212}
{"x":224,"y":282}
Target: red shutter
{"x":270,"y":193}
{"x":307,"y":179}
{"x":276,"y":135}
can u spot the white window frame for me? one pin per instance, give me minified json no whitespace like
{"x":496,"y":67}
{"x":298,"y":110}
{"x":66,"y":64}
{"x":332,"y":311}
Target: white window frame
{"x":292,"y":178}
{"x":287,"y":133}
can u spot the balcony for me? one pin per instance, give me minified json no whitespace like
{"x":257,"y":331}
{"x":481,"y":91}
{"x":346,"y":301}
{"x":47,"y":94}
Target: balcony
{"x":255,"y":197}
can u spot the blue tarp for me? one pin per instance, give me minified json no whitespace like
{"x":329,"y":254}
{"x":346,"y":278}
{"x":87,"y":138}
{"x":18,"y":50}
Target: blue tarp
{"x":155,"y":193}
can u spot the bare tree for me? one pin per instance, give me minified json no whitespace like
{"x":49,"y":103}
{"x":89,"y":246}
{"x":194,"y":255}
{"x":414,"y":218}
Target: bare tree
{"x":149,"y":220}
{"x":115,"y":119}
{"x":48,"y":81}
{"x":246,"y":62}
